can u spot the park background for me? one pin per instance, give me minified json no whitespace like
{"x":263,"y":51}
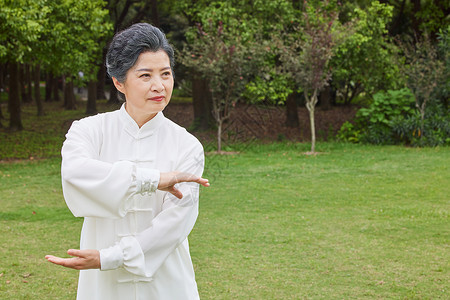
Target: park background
{"x":326,"y":126}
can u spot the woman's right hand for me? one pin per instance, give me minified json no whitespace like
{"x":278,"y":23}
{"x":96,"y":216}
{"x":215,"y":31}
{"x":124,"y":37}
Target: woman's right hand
{"x":168,"y":180}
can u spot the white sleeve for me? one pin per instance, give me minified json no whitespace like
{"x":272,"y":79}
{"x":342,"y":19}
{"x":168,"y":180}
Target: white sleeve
{"x":144,"y":254}
{"x":93,"y":188}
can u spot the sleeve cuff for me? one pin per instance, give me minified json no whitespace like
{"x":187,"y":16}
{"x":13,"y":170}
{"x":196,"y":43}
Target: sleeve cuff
{"x":147,"y":180}
{"x":127,"y":254}
{"x":111,"y":258}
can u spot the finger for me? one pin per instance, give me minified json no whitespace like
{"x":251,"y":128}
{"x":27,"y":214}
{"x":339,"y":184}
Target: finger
{"x":49,"y":257}
{"x":176,"y":192}
{"x":75,"y":252}
{"x":58,"y":260}
{"x":187,"y":177}
{"x":203,"y":181}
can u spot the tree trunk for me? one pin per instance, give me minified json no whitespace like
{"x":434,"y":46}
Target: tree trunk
{"x":56,"y":89}
{"x":69,"y":96}
{"x":37,"y":90}
{"x":415,"y":19}
{"x":91,"y":106}
{"x":291,"y":112}
{"x":113,"y":99}
{"x":394,"y":28}
{"x":310,"y":105}
{"x":22,"y":83}
{"x":15,"y":119}
{"x":48,"y":87}
{"x":155,"y":15}
{"x":2,"y":88}
{"x":2,"y":77}
{"x":219,"y":136}
{"x":101,"y":76}
{"x":201,"y":101}
{"x":1,"y":116}
{"x":28,"y":78}
{"x":313,"y":130}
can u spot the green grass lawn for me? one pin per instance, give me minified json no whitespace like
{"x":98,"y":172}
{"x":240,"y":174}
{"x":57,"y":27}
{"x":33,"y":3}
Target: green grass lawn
{"x":42,"y":136}
{"x":356,"y":222}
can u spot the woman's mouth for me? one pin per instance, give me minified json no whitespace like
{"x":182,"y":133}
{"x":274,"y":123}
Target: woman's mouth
{"x":157,"y":98}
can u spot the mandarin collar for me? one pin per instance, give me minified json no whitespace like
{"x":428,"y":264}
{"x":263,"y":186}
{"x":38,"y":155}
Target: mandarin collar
{"x":132,"y":128}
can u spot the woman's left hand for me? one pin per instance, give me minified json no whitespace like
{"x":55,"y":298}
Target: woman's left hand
{"x":82,"y":260}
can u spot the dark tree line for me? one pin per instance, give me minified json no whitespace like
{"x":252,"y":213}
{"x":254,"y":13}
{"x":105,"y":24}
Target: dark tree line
{"x":354,"y":72}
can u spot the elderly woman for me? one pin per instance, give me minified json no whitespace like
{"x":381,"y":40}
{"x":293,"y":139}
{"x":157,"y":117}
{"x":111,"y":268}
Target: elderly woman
{"x":134,"y":176}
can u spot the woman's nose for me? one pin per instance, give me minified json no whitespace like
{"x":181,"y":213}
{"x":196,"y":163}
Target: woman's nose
{"x":157,"y":85}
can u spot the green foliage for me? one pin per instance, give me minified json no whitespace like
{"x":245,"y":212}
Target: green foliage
{"x":305,"y":50}
{"x":218,"y":50}
{"x":393,"y":119}
{"x":22,"y":23}
{"x":435,"y":130}
{"x":433,"y":15}
{"x":253,"y":22}
{"x":76,"y":38}
{"x":348,"y":133}
{"x":443,"y":47}
{"x":64,"y":36}
{"x":424,"y":71}
{"x":365,"y":61}
{"x":219,"y":55}
{"x":374,"y":123}
{"x":387,"y":105}
{"x":273,"y":88}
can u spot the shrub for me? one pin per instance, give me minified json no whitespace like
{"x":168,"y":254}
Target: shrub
{"x":392,"y":119}
{"x":373,"y":124}
{"x":348,"y":133}
{"x":436,"y":129}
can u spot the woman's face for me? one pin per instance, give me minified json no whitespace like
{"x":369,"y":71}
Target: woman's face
{"x":148,"y":86}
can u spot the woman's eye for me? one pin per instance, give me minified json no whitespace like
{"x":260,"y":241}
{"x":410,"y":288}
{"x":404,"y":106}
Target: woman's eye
{"x":144,"y":75}
{"x":166,"y":74}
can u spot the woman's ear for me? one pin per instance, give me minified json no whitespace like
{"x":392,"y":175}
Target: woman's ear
{"x":119,"y":86}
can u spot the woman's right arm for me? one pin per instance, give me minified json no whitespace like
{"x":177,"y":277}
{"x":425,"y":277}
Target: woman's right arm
{"x":95,"y":188}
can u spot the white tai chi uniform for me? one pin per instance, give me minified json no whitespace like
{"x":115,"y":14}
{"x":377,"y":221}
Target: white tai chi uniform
{"x":110,"y":174}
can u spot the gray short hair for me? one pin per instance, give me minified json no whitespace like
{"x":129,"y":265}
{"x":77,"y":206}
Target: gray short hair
{"x":128,"y":44}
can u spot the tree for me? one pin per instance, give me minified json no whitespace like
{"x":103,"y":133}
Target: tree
{"x":91,"y":107}
{"x":306,"y":57}
{"x":60,"y":35}
{"x":73,"y":40}
{"x":21,"y":25}
{"x":365,"y":60}
{"x":253,"y":21}
{"x":221,"y":59}
{"x":424,"y":71}
{"x":37,"y":89}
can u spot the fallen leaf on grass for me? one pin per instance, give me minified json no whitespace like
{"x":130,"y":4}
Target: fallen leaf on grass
{"x":26,"y":275}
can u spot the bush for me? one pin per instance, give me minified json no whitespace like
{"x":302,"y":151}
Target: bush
{"x":392,"y":119}
{"x":348,"y":133}
{"x":436,"y":129}
{"x":373,"y":124}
